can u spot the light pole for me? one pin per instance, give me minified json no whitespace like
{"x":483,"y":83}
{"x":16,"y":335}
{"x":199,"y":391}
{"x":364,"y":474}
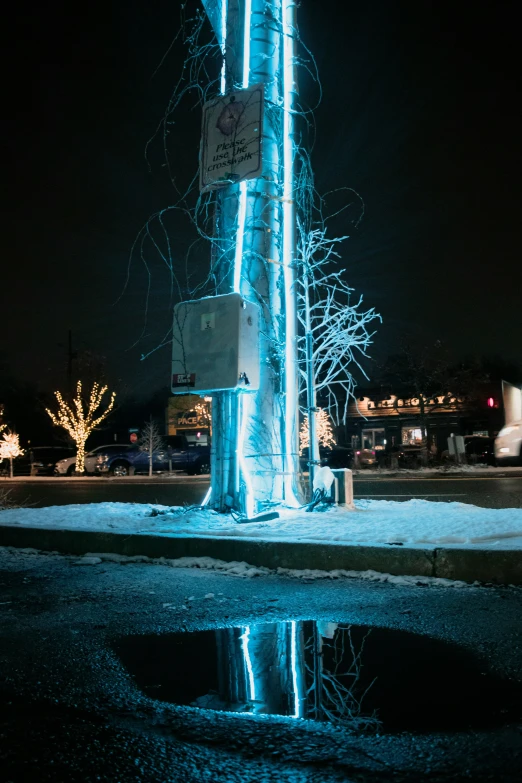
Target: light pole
{"x":255,"y":455}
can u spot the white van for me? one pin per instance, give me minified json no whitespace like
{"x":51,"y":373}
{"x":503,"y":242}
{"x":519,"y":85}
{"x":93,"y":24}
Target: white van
{"x":508,"y":444}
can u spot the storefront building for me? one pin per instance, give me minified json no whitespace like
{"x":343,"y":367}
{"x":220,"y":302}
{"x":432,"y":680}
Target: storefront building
{"x":190,"y":415}
{"x":384,"y":422}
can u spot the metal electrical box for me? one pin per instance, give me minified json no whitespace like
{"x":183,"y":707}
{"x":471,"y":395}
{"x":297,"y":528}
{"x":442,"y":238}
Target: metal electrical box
{"x":215,"y":345}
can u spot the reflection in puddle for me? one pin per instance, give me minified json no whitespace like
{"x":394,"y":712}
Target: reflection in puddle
{"x":323,"y":671}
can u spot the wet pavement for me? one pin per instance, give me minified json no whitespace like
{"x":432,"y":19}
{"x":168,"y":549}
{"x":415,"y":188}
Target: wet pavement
{"x":89,"y":656}
{"x":327,"y":671}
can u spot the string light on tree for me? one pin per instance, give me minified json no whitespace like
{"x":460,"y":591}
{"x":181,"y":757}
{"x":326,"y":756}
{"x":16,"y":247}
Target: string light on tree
{"x":323,"y":429}
{"x":79,"y":419}
{"x":10,"y":448}
{"x":202,"y":409}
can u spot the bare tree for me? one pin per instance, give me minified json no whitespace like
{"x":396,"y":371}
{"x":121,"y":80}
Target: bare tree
{"x":335,"y":693}
{"x":151,"y":440}
{"x":334,"y":327}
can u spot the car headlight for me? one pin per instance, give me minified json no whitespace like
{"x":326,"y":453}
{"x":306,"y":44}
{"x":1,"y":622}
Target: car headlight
{"x":102,"y":458}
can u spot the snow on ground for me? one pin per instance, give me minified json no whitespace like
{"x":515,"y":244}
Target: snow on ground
{"x":415,"y":522}
{"x":247,"y":571}
{"x":242,"y":570}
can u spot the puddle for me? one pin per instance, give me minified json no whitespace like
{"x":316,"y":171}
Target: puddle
{"x":324,"y":671}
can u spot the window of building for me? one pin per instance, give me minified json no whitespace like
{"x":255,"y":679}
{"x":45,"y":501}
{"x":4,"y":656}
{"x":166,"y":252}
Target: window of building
{"x":374,"y":440}
{"x":411,"y":436}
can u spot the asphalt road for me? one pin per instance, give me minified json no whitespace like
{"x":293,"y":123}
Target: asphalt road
{"x":71,"y":709}
{"x":489,"y":492}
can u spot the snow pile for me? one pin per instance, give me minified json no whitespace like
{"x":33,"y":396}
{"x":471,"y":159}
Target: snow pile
{"x":245,"y":570}
{"x":415,"y":522}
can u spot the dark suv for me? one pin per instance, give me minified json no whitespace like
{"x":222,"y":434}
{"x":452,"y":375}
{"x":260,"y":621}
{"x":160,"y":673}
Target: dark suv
{"x":177,"y":454}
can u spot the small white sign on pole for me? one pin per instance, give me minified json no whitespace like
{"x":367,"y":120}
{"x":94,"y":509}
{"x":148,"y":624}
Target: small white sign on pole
{"x":231,"y":138}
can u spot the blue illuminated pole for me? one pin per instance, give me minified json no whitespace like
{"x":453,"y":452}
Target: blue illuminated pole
{"x":289,"y":28}
{"x":255,"y":447}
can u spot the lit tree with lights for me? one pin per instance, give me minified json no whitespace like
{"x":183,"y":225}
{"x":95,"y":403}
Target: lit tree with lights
{"x":203,"y":413}
{"x":323,"y":430}
{"x":10,"y":448}
{"x":80,"y":418}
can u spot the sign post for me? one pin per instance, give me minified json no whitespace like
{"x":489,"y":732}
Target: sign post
{"x":231,"y":138}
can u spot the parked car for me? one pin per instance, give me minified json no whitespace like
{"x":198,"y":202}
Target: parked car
{"x":339,"y":457}
{"x":409,"y":455}
{"x":178,"y":453}
{"x":366,"y":458}
{"x":479,"y":449}
{"x":67,"y":467}
{"x":508,"y":444}
{"x":39,"y":460}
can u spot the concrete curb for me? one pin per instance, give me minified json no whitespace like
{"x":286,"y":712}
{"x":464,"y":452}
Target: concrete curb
{"x":468,"y":565}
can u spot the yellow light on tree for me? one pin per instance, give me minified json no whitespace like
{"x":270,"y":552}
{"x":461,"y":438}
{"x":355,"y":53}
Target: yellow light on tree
{"x":80,"y":419}
{"x":324,"y":432}
{"x":10,"y":448}
{"x":204,"y":416}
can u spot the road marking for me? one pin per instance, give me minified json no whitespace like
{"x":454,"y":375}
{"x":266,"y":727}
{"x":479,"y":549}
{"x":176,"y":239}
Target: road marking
{"x":422,"y":495}
{"x":437,"y":478}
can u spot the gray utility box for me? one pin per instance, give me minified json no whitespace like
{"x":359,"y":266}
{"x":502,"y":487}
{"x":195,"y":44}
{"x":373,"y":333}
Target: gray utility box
{"x":215,"y":345}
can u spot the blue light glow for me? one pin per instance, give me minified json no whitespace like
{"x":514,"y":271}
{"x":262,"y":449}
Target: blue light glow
{"x":240,"y":235}
{"x":243,"y":399}
{"x":241,"y":213}
{"x":246,"y":43}
{"x":223,"y":44}
{"x":293,"y":663}
{"x":265,"y":468}
{"x":288,"y":245}
{"x":248,"y":663}
{"x":206,"y":499}
{"x":244,"y":405}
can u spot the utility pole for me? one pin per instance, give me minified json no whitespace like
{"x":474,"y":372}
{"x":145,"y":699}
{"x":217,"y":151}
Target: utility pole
{"x":255,"y":453}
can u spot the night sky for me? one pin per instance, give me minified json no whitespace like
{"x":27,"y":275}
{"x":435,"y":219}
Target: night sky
{"x":420,"y":114}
